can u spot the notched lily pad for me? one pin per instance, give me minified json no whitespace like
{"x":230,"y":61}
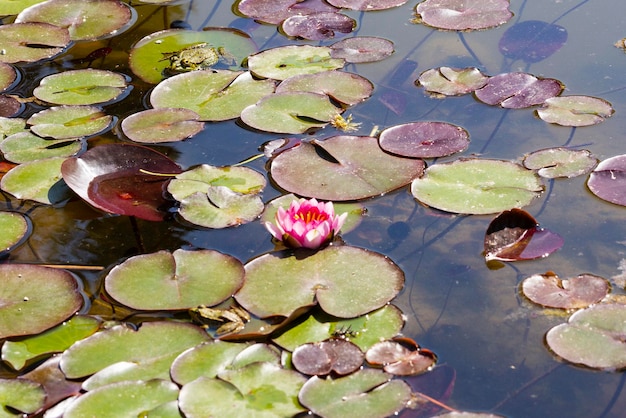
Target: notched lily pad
{"x":361,"y":49}
{"x":343,"y":87}
{"x":608,"y":180}
{"x":424,"y":139}
{"x":30,"y":42}
{"x":286,"y":61}
{"x":336,"y":355}
{"x":452,"y":81}
{"x":560,"y":162}
{"x":518,"y":90}
{"x":318,"y":26}
{"x":154,"y":126}
{"x":26,"y":147}
{"x":463,"y":14}
{"x":577,"y":292}
{"x":69,"y":122}
{"x":36,"y":181}
{"x":396,"y":358}
{"x":575,"y":110}
{"x":81,"y":87}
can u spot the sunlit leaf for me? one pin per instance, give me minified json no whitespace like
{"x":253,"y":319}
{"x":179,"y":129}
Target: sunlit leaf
{"x":532,"y":40}
{"x":13,"y":7}
{"x":575,"y":110}
{"x":343,"y":87}
{"x":424,"y":139}
{"x":36,"y":180}
{"x":69,"y":122}
{"x":336,"y":355}
{"x":81,"y":87}
{"x":31,"y":42}
{"x":367,"y":5}
{"x":608,"y":180}
{"x":21,"y":395}
{"x":560,"y":162}
{"x":518,"y":90}
{"x":452,"y":81}
{"x":15,"y":229}
{"x":26,"y":147}
{"x":207,"y":359}
{"x":8,"y":76}
{"x":318,"y":26}
{"x":397,"y":359}
{"x":161,"y":125}
{"x":51,"y":378}
{"x":286,"y":61}
{"x":463,"y":14}
{"x":359,"y":49}
{"x":275,"y":11}
{"x":577,"y":292}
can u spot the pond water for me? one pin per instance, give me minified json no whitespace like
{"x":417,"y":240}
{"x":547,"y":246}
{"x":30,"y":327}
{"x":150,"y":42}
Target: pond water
{"x":471,"y":316}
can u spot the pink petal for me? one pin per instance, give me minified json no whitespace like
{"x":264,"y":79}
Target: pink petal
{"x":276,"y":231}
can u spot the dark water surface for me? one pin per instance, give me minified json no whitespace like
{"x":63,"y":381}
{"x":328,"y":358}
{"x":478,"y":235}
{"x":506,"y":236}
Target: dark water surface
{"x":471,"y":316}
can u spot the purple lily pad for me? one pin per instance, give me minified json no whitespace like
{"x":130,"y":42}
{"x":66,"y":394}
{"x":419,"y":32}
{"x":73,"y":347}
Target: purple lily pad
{"x":361,"y":49}
{"x":8,"y":76}
{"x":397,"y":359}
{"x":577,"y":292}
{"x":367,"y":5}
{"x":518,"y":90}
{"x":275,"y":11}
{"x":9,"y":106}
{"x":108,"y":177}
{"x":318,"y":26}
{"x":333,"y":355}
{"x":608,"y":180}
{"x":463,"y":14}
{"x":532,"y":40}
{"x":424,"y":139}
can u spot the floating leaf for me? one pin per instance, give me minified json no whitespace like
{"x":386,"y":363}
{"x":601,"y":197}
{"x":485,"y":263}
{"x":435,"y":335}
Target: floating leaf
{"x":84,"y":19}
{"x":24,"y":147}
{"x":334,"y":355}
{"x":424,"y":139}
{"x":35,"y":181}
{"x":154,"y":126}
{"x":34,"y":298}
{"x":515,"y":235}
{"x":290,"y":112}
{"x":593,"y":337}
{"x":12,"y":7}
{"x":577,"y":292}
{"x":268,"y":11}
{"x":518,"y":90}
{"x":109,"y":177}
{"x":318,"y":26}
{"x":342,"y":168}
{"x":81,"y":87}
{"x":15,"y":229}
{"x":30,"y":42}
{"x":452,"y":81}
{"x":532,"y":40}
{"x":463,"y":14}
{"x":361,"y":49}
{"x":348,"y":282}
{"x":560,"y":162}
{"x":575,"y":110}
{"x":9,"y":106}
{"x":367,"y":5}
{"x":69,"y":122}
{"x":286,"y":61}
{"x":178,"y":280}
{"x":476,"y":186}
{"x":608,"y":180}
{"x":51,"y":378}
{"x":8,"y":76}
{"x":20,"y":395}
{"x":201,"y":178}
{"x":341,"y":86}
{"x":10,"y":126}
{"x":368,"y":392}
{"x":397,"y":359}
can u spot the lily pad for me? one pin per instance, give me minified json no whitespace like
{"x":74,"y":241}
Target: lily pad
{"x":397,"y":359}
{"x":560,"y":162}
{"x":215,"y":95}
{"x":518,"y":90}
{"x":8,"y":76}
{"x":286,"y":61}
{"x":593,"y":337}
{"x":149,"y":57}
{"x":574,"y":293}
{"x":336,"y":355}
{"x":268,"y":11}
{"x":342,"y":168}
{"x":10,"y":126}
{"x":366,"y":393}
{"x":10,"y":106}
{"x":201,"y":178}
{"x":367,"y":5}
{"x":476,"y":186}
{"x":346,"y":282}
{"x":290,"y":112}
{"x":20,"y":395}
{"x":463,"y":14}
{"x":123,"y":399}
{"x":69,"y":122}
{"x":13,"y":7}
{"x":26,"y":147}
{"x":15,"y":229}
{"x":318,"y":26}
{"x":207,"y":359}
{"x":34,"y":298}
{"x":35,"y":181}
{"x":608,"y":180}
{"x":341,"y":86}
{"x":262,"y":389}
{"x":154,"y":126}
{"x":361,"y":49}
{"x":452,"y":81}
{"x":532,"y":40}
{"x":575,"y":110}
{"x":30,"y":42}
{"x":424,"y":139}
{"x":179,"y":280}
{"x":84,"y":19}
{"x":81,"y":87}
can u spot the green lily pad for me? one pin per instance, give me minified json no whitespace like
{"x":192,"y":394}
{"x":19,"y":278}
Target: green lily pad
{"x":560,"y":162}
{"x":123,"y":399}
{"x":452,"y":81}
{"x":24,"y":147}
{"x":149,"y":57}
{"x":214,"y":95}
{"x":366,"y":393}
{"x":21,"y":395}
{"x":84,"y":19}
{"x":34,"y":180}
{"x":17,"y":353}
{"x":142,"y":354}
{"x":69,"y":122}
{"x":154,"y":126}
{"x":593,"y":337}
{"x":575,"y":110}
{"x":30,"y":42}
{"x":290,"y":112}
{"x":81,"y":87}
{"x":203,"y":177}
{"x":179,"y":280}
{"x":475,"y":186}
{"x":34,"y":298}
{"x":364,"y":331}
{"x":259,"y":389}
{"x":344,"y":87}
{"x":10,"y":126}
{"x":345,"y":281}
{"x":287,"y":61}
{"x":13,"y":7}
{"x":15,"y":229}
{"x":342,"y":168}
{"x":8,"y":76}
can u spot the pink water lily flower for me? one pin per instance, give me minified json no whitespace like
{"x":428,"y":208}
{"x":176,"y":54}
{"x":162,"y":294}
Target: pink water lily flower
{"x":307,"y":223}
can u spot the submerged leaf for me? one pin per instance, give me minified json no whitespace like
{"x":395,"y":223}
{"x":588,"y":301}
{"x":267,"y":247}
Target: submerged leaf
{"x":532,"y":40}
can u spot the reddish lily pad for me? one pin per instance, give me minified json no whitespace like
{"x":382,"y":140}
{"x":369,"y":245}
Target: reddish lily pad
{"x":286,"y":61}
{"x":34,"y":298}
{"x":518,"y":90}
{"x":577,"y":292}
{"x":361,"y":49}
{"x":334,"y":355}
{"x":532,"y":40}
{"x":51,"y":378}
{"x":515,"y":235}
{"x":608,"y":180}
{"x":593,"y":337}
{"x":367,"y":5}
{"x":575,"y":110}
{"x":348,"y":282}
{"x":30,"y":42}
{"x":343,"y":87}
{"x":109,"y":177}
{"x":424,"y":139}
{"x":396,"y":358}
{"x":8,"y":76}
{"x":268,"y":11}
{"x":452,"y":81}
{"x":178,"y":280}
{"x":9,"y":106}
{"x":463,"y":14}
{"x":560,"y":162}
{"x":318,"y":26}
{"x":154,"y":126}
{"x":342,"y":168}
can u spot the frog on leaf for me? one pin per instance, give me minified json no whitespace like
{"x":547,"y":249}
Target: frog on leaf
{"x":200,"y":56}
{"x":229,"y":320}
